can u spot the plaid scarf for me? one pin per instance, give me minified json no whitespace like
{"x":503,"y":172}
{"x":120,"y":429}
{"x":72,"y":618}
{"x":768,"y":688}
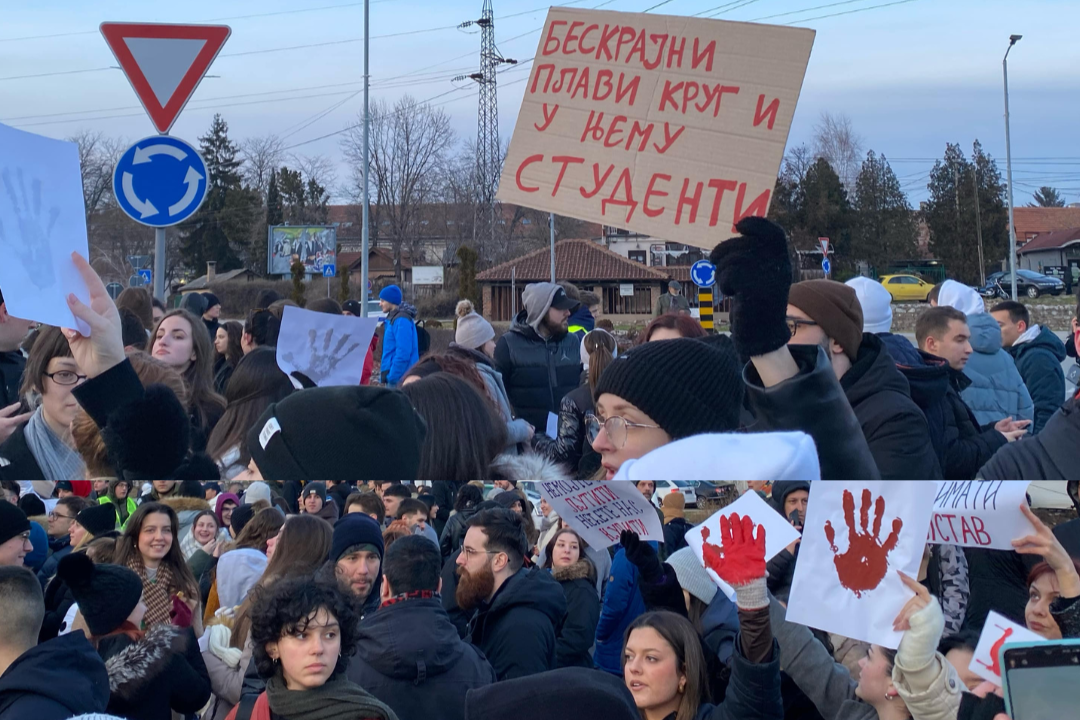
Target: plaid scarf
{"x":415,"y":595}
{"x":157,"y":594}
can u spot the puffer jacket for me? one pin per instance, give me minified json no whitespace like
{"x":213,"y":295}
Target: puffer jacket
{"x":55,"y":680}
{"x":1053,"y":454}
{"x":537,"y":372}
{"x":517,"y":429}
{"x":1038,"y":360}
{"x":997,"y":391}
{"x":573,"y":646}
{"x":571,"y":447}
{"x":901,"y":349}
{"x":399,"y":350}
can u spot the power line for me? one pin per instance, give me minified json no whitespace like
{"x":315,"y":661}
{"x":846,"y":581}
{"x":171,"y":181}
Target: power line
{"x":850,"y":12}
{"x":806,"y":10}
{"x":659,"y":4}
{"x":741,"y":5}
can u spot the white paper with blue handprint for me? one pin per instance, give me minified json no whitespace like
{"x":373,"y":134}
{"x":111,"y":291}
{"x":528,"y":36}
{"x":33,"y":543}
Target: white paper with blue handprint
{"x":42,"y":221}
{"x":327,"y":349}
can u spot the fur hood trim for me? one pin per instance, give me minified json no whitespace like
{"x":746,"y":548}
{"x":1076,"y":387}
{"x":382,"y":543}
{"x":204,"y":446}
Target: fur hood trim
{"x":183,"y":504}
{"x":581,"y":570}
{"x":530,"y":466}
{"x":137,"y":666}
{"x":42,"y":520}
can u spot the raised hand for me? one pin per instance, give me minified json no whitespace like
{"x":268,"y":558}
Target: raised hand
{"x":104,"y":348}
{"x":863,"y":566}
{"x":740,"y":559}
{"x":1045,"y":544}
{"x":10,"y":420}
{"x":642,"y":556}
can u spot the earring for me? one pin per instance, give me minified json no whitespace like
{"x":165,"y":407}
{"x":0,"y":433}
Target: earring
{"x":889,"y":697}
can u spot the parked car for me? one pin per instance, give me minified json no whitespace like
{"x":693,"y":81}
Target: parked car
{"x":1028,"y":282}
{"x":666,"y":487}
{"x":906,"y":287}
{"x":715,"y":490}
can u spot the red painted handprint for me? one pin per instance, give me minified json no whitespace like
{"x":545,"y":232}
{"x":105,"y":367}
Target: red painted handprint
{"x":741,"y":557}
{"x":995,"y":651}
{"x":863,"y":566}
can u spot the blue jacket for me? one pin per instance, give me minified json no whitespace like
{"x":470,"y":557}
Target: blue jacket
{"x":399,"y":349}
{"x":997,"y":391}
{"x":1039,"y":363}
{"x":581,"y":319}
{"x":622,"y":605}
{"x":901,"y":349}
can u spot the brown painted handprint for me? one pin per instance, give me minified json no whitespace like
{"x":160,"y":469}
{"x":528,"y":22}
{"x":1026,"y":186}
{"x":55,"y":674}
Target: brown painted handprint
{"x":863,"y":566}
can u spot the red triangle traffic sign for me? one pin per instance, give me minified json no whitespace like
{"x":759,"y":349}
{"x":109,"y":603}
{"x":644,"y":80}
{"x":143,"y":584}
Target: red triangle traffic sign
{"x":164,"y":63}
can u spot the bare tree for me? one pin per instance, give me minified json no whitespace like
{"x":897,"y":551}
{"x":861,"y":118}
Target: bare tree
{"x":836,"y":141}
{"x":319,"y":168}
{"x":97,"y":158}
{"x":409,"y":147}
{"x":262,"y":155}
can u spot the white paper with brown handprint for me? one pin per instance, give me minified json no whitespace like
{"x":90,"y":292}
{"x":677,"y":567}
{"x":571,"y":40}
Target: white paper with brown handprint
{"x":325,"y":349}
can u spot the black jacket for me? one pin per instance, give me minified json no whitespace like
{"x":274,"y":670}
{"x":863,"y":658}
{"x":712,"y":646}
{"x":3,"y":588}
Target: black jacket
{"x":537,"y":372}
{"x":964,"y":445}
{"x":55,"y":681}
{"x":16,"y":460}
{"x":153,"y":677}
{"x":578,"y":633}
{"x":571,"y":446}
{"x":813,"y":403}
{"x":997,"y":580}
{"x":59,"y":548}
{"x":11,"y":372}
{"x":339,"y":493}
{"x":675,"y":534}
{"x":453,"y":533}
{"x":411,"y":658}
{"x":517,"y":630}
{"x":445,"y":492}
{"x":1053,"y":454}
{"x":58,"y":600}
{"x":894,"y":426}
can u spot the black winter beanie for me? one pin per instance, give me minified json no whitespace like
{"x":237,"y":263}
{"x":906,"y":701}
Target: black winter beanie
{"x":98,"y":519}
{"x":241,"y":516}
{"x":13,"y":521}
{"x":106,"y":594}
{"x":339,"y":433}
{"x":578,"y":693}
{"x":352,"y":530}
{"x":148,"y":439}
{"x":688,"y":386}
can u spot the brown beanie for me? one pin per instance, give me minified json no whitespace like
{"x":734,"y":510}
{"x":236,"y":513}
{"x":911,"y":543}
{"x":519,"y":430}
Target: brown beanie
{"x":835,"y":308}
{"x":674,"y":506}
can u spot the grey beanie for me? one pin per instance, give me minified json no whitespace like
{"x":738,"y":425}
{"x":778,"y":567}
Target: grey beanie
{"x":692,"y":576}
{"x":473,"y":331}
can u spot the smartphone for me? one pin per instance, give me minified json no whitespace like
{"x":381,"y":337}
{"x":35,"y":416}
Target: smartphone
{"x":1040,"y":679}
{"x":793,"y":518}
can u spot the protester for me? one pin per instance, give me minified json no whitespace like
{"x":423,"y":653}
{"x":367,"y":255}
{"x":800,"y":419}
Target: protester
{"x":132,"y":331}
{"x":140,"y":303}
{"x":566,"y":692}
{"x":675,"y":523}
{"x":1053,"y":454}
{"x":409,"y":654}
{"x":313,"y":502}
{"x":516,"y":610}
{"x":193,"y":303}
{"x":203,"y":535}
{"x":60,"y":522}
{"x":1053,"y":585}
{"x":261,"y":328}
{"x":304,"y":633}
{"x":537,"y":356}
{"x":15,"y":542}
{"x":947,"y":578}
{"x":670,"y":327}
{"x":959,"y":650}
{"x":570,"y":447}
{"x":1038,"y":354}
{"x":572,"y":569}
{"x":188,"y":502}
{"x":48,"y":681}
{"x":227,"y":354}
{"x":876,"y":304}
{"x":157,"y":313}
{"x":225,"y":505}
{"x":151,"y":673}
{"x":466,"y":503}
{"x":368,"y":503}
{"x":355,"y":561}
{"x":400,"y":349}
{"x":42,"y":449}
{"x":12,"y":332}
{"x":672,"y":301}
{"x":119,"y":496}
{"x":415,"y":514}
{"x":392,"y":496}
{"x":828,"y":314}
{"x":581,"y":321}
{"x":996,"y":391}
{"x":621,"y":604}
{"x":211,"y":314}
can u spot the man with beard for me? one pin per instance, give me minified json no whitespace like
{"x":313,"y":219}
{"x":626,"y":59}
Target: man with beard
{"x":539,"y":359}
{"x":356,"y":558}
{"x":517,"y":611}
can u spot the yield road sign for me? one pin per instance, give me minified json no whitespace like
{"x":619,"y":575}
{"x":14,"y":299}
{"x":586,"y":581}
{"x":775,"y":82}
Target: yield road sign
{"x":160,"y":181}
{"x":824,"y":242}
{"x":329,"y":270}
{"x":164,"y":63}
{"x":147,"y":276}
{"x":703,"y":273}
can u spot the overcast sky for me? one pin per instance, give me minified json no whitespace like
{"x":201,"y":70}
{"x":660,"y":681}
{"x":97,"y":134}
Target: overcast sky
{"x":911,"y":76}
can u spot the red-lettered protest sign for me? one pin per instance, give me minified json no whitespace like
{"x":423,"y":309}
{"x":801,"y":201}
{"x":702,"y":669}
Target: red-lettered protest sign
{"x":979,"y":513}
{"x":600,"y":511}
{"x":671,"y":126}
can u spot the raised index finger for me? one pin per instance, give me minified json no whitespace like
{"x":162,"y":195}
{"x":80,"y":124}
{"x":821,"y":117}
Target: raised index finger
{"x":89,"y":276}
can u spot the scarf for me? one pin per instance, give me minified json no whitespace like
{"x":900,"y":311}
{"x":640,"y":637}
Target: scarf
{"x":56,"y":460}
{"x":189,"y":545}
{"x":156,"y":594}
{"x":338,"y":699}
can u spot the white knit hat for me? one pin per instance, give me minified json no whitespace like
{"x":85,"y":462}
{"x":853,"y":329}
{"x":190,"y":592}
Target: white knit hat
{"x":691,"y":574}
{"x":961,"y":297}
{"x":473,"y":331}
{"x":876,"y":304}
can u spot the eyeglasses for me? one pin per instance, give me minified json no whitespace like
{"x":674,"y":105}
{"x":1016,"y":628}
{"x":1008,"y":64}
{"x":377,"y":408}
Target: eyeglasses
{"x":57,"y":516}
{"x":615,"y":426}
{"x":470,"y":553}
{"x":794,"y":323}
{"x":65,"y":377}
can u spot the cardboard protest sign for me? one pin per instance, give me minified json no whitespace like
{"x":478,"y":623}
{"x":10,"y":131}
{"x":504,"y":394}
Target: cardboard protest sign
{"x":328,"y":349}
{"x":998,"y":630}
{"x":778,"y":533}
{"x":600,"y":511}
{"x":42,"y":221}
{"x":979,"y":513}
{"x":669,"y":126}
{"x":857,"y":536}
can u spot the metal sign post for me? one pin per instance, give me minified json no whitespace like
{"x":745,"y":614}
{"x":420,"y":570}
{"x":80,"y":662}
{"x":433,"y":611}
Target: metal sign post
{"x":705,"y":308}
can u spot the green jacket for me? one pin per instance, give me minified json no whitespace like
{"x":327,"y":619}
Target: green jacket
{"x":671,"y":303}
{"x":129,"y":505}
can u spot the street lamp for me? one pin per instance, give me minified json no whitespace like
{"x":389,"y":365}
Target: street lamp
{"x":1008,"y":166}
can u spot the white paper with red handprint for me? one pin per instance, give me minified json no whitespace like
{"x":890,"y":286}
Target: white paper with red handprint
{"x":778,"y":533}
{"x":998,"y":630}
{"x":857,"y":536}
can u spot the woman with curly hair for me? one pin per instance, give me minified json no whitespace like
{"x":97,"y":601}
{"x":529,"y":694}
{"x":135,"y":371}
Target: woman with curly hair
{"x":303,"y":633}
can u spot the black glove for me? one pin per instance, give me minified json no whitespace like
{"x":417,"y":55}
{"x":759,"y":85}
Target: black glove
{"x":642,"y":556}
{"x":303,"y":379}
{"x":755,"y":271}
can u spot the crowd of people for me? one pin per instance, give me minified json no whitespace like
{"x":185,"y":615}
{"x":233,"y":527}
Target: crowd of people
{"x":222,"y":603}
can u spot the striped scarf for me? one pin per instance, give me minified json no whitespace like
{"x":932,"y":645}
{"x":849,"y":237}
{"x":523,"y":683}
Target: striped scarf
{"x":157,"y":593}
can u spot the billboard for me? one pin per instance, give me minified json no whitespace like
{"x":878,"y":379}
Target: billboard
{"x":427,"y":275}
{"x":312,"y":245}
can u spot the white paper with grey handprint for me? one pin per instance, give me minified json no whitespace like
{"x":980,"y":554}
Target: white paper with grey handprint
{"x":42,"y":221}
{"x":328,"y":349}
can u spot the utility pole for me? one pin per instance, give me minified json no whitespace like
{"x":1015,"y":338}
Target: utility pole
{"x":1008,"y":165}
{"x":956,"y":196}
{"x":551,"y":227}
{"x":978,"y":223}
{"x":365,"y":239}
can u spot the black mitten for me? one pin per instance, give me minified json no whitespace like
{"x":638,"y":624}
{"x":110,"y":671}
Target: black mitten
{"x":642,"y":556}
{"x":755,"y":271}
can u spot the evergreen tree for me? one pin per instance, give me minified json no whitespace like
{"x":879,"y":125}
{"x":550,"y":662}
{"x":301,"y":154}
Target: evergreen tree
{"x":317,"y":201}
{"x":884,"y":225}
{"x":274,"y":214}
{"x":823,"y":209}
{"x":297,"y":294}
{"x":343,"y":282}
{"x":467,"y":287}
{"x":1047,"y":197}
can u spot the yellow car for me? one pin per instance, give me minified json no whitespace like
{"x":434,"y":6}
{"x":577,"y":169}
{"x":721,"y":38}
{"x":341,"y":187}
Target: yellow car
{"x":906,"y":287}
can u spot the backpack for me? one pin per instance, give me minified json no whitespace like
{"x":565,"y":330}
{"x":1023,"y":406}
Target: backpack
{"x":423,"y":339}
